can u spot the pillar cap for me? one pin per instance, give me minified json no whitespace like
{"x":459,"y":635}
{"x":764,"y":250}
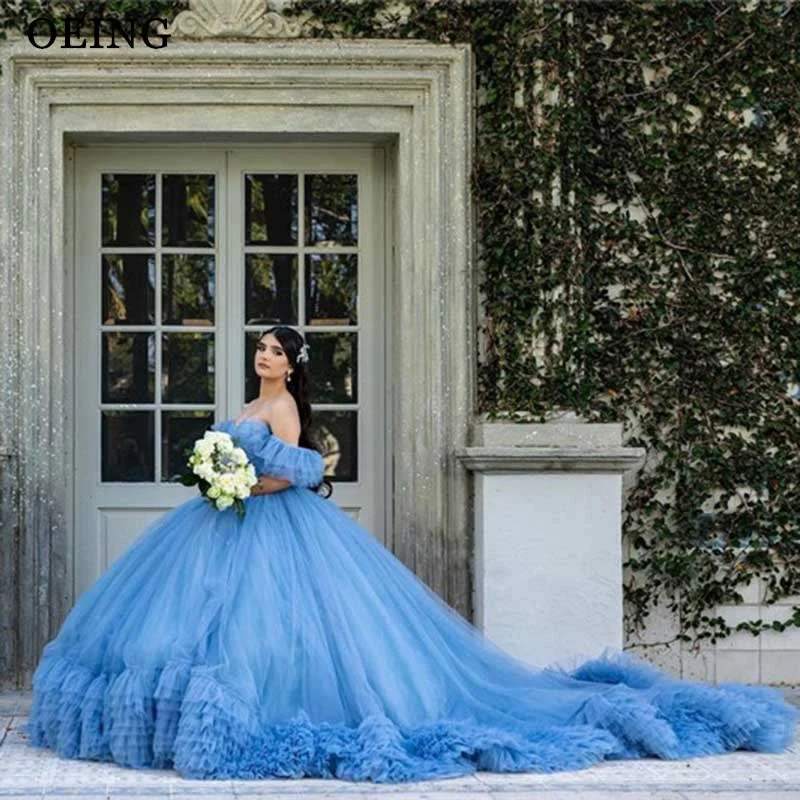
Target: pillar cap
{"x":533,"y":458}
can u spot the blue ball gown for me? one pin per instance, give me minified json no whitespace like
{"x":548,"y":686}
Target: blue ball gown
{"x":291,"y":643}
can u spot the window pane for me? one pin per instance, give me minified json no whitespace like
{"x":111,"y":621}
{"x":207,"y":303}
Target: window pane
{"x":333,"y":360}
{"x":331,"y":209}
{"x":336,"y":434}
{"x":128,"y":367}
{"x":187,"y":367}
{"x":271,"y":289}
{"x":179,"y":431}
{"x":129,"y":210}
{"x":270,"y":207}
{"x":127,"y":446}
{"x":128,"y":289}
{"x":187,"y":211}
{"x":187,"y":290}
{"x":331,"y":289}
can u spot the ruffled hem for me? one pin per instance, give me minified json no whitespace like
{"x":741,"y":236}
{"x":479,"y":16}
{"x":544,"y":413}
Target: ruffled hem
{"x":651,"y":714}
{"x":182,"y":717}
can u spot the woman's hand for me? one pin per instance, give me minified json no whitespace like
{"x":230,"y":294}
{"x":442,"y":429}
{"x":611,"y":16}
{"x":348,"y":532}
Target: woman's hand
{"x":268,"y":485}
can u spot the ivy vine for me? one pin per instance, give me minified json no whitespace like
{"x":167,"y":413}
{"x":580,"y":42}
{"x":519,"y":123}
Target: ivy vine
{"x":636,"y":189}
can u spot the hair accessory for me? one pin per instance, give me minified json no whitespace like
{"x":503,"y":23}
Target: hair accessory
{"x":302,"y":356}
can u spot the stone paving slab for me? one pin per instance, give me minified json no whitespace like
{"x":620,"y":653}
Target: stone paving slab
{"x":29,"y":772}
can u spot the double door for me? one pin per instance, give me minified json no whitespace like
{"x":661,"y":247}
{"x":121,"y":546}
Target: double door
{"x":182,"y":258}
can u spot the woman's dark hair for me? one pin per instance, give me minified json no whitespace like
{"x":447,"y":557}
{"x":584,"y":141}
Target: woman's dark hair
{"x":291,"y":342}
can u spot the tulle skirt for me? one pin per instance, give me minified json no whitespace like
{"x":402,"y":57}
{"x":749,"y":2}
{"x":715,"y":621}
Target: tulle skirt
{"x":291,"y":643}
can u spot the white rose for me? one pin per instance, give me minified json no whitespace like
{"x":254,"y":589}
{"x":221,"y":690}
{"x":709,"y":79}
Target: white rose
{"x":214,"y":492}
{"x":239,"y":455}
{"x":244,"y":484}
{"x":208,"y":474}
{"x":218,"y":439}
{"x":224,"y":502}
{"x":204,"y":448}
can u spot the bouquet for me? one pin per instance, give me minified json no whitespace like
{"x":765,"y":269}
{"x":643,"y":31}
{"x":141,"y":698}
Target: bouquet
{"x":221,"y":470}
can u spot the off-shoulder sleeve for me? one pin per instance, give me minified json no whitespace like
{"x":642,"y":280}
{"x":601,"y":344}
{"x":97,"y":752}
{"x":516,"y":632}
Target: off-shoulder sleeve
{"x":299,"y":465}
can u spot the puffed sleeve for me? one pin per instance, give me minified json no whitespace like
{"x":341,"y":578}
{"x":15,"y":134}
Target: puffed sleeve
{"x":299,"y":465}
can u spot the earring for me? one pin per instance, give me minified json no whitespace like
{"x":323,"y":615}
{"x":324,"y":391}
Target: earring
{"x":288,"y":377}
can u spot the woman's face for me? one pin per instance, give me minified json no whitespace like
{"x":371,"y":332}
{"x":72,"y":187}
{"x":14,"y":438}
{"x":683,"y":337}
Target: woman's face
{"x":271,"y":360}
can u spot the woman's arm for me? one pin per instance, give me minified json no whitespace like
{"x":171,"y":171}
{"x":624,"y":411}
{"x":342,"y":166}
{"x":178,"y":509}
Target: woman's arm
{"x":268,"y":485}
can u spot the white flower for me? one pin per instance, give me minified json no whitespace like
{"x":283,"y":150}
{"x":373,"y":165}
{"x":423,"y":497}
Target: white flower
{"x":204,"y":448}
{"x":224,"y":502}
{"x":205,"y":471}
{"x":239,"y":455}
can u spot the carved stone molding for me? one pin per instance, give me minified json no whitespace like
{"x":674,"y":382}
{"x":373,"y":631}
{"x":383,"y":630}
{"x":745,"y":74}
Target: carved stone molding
{"x":250,"y":19}
{"x":550,"y":459}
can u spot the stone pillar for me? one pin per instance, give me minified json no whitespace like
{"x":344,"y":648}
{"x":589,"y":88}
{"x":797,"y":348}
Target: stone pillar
{"x":548,"y":554}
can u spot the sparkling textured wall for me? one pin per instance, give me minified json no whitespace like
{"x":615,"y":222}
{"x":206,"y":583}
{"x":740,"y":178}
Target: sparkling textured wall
{"x":32,"y":352}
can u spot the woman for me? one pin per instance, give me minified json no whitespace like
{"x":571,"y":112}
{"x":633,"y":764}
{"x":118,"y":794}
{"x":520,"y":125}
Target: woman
{"x":291,"y":643}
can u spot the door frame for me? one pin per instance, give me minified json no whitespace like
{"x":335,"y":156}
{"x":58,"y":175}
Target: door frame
{"x":415,"y":95}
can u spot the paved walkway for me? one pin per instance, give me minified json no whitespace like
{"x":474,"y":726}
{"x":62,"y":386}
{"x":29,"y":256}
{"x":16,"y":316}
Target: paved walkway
{"x":28,"y":772}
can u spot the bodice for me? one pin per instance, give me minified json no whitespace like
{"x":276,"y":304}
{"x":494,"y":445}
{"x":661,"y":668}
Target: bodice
{"x":271,"y":455}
